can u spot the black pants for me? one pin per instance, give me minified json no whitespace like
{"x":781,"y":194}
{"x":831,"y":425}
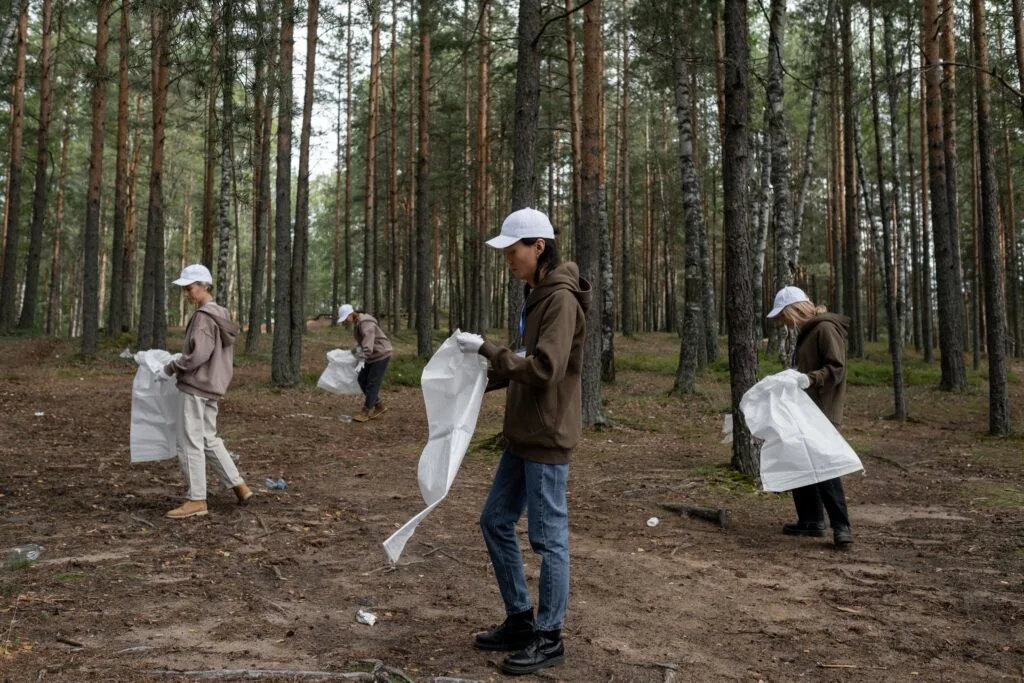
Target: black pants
{"x":812,"y":502}
{"x":370,"y":379}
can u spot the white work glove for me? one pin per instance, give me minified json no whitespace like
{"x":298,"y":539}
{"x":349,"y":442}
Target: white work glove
{"x":803,"y":381}
{"x":359,"y":353}
{"x":469,"y":342}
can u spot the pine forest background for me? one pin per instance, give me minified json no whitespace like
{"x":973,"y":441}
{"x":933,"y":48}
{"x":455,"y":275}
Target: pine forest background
{"x":693,"y":156}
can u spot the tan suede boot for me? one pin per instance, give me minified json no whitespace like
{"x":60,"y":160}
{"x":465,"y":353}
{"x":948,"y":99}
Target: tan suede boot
{"x":362,"y":416}
{"x":243,"y":493}
{"x":377,"y":411}
{"x":190,"y":508}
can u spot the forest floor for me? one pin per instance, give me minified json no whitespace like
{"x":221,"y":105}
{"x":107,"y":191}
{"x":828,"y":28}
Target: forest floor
{"x":933,"y":588}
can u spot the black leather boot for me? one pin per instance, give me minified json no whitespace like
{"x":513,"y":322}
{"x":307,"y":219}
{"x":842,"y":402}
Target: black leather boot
{"x":843,"y":537}
{"x":804,"y":529}
{"x":514,"y":634}
{"x":546,"y":649}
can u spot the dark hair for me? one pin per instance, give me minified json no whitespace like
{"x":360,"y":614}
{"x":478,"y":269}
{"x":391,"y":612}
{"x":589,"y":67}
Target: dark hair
{"x":547,"y":260}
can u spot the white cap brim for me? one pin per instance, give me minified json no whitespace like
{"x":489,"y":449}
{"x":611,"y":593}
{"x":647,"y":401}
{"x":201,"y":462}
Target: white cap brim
{"x":775,"y":311}
{"x":502,"y":241}
{"x":182,"y":281}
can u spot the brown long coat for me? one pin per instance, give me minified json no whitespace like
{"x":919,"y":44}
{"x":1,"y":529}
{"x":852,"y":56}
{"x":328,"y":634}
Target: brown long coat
{"x":821,"y":355}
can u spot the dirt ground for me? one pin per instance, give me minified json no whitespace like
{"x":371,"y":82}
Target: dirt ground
{"x":933,"y":589}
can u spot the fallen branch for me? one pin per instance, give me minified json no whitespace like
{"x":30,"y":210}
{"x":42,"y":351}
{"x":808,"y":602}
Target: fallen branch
{"x":857,"y":580}
{"x":715,"y":515}
{"x":68,"y":641}
{"x":888,"y":461}
{"x":277,"y":572}
{"x":140,"y":520}
{"x":266,"y":673}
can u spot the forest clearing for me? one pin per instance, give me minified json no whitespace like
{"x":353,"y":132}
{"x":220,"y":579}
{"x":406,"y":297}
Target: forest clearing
{"x":931,"y":590}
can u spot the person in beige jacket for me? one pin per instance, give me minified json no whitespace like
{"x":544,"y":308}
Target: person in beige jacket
{"x":204,"y":372}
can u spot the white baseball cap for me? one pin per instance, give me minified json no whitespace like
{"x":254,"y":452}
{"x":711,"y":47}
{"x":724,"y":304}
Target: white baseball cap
{"x":523,"y":224}
{"x":197,"y":272}
{"x":344,"y":311}
{"x":785,"y":297}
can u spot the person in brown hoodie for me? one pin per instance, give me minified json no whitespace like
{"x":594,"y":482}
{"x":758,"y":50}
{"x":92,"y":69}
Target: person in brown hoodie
{"x":203,"y":372}
{"x":374,"y":348}
{"x":820,"y":354}
{"x":542,"y":426}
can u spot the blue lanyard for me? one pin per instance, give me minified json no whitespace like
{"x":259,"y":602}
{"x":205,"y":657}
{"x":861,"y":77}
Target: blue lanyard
{"x":522,"y":322}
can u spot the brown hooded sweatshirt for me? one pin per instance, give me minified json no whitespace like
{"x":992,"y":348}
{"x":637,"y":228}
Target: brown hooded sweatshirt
{"x":821,"y":354}
{"x":543,"y":407}
{"x":205,"y":366}
{"x":371,"y":338}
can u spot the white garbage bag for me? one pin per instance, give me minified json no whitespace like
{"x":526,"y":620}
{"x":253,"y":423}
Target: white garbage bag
{"x":156,"y":408}
{"x":453,"y":387}
{"x":801,"y":447}
{"x":340,"y":376}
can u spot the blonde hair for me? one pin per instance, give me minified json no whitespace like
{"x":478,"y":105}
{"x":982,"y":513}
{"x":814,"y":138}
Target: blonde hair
{"x":800,"y":312}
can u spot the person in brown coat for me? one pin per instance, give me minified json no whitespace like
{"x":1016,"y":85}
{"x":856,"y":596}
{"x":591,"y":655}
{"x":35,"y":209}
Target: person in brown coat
{"x":820,"y":354}
{"x":373,"y":348}
{"x":542,"y":426}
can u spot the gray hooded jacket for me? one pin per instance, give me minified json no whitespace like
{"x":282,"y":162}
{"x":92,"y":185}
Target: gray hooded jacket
{"x":205,"y":366}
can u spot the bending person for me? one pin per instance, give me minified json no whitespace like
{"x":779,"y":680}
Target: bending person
{"x":373,"y":348}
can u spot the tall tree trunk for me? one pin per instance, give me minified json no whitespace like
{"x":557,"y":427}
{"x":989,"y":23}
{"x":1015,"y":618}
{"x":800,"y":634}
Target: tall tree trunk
{"x":481,"y":180}
{"x":524,"y":157}
{"x":131,"y":270}
{"x":782,"y":207}
{"x":626,"y":288}
{"x":853,"y":284}
{"x":261,"y":209}
{"x":348,"y":155}
{"x":8,"y":283}
{"x":916,"y":281}
{"x":588,"y":233}
{"x":153,"y":315}
{"x":210,"y":166}
{"x":282,"y":371}
{"x":947,"y":49}
{"x":762,"y":213}
{"x":35,"y":245}
{"x":370,"y":224}
{"x":424,"y":343}
{"x":739,"y":311}
{"x":947,"y":270}
{"x":394,"y":245}
{"x":894,"y":318}
{"x":54,"y":299}
{"x":574,"y":115}
{"x":998,"y":398}
{"x":91,"y":239}
{"x":693,"y":219}
{"x":300,"y":250}
{"x":901,"y":263}
{"x":226,"y":68}
{"x":116,"y":322}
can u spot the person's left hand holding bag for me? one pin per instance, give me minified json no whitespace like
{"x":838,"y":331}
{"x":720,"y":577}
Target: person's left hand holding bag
{"x":167,"y":373}
{"x":469,"y":342}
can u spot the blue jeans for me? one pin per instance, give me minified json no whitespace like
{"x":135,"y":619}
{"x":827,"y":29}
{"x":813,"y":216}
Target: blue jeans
{"x":540,"y":489}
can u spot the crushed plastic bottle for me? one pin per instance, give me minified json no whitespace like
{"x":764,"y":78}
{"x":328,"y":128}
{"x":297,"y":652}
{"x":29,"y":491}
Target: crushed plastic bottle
{"x":276,"y":485}
{"x":365,"y":617}
{"x":23,"y":554}
{"x":345,"y":418}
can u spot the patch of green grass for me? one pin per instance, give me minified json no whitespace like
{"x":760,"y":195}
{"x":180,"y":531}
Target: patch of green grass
{"x":995,"y":495}
{"x":19,"y":564}
{"x":723,"y":476}
{"x":646,"y":362}
{"x":404,"y":371}
{"x":71,"y":576}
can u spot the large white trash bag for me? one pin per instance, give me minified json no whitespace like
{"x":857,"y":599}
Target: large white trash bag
{"x":453,"y":387}
{"x":156,"y":408}
{"x":341,"y":374}
{"x":801,"y":447}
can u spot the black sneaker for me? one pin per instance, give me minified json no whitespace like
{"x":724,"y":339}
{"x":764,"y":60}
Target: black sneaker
{"x":816,"y":529}
{"x":546,"y":649}
{"x":514,"y":634}
{"x":843,"y":537}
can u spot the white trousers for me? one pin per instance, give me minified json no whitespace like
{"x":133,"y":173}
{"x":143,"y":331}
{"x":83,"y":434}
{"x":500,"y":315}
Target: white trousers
{"x":198,"y":442}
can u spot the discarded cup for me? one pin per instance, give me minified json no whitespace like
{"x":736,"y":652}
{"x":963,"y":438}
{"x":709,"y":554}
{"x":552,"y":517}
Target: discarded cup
{"x":276,"y":485}
{"x":40,"y":413}
{"x":653,"y":521}
{"x":345,"y":418}
{"x":364,"y":617}
{"x":23,"y":554}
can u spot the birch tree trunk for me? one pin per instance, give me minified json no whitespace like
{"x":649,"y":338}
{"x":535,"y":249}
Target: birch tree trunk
{"x":782,"y":207}
{"x":626,"y":311}
{"x":998,"y":397}
{"x":693,"y":219}
{"x":852,"y":287}
{"x":224,"y":227}
{"x":54,"y":301}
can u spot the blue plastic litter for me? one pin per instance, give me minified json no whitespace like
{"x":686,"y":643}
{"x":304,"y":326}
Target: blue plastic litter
{"x":276,"y":484}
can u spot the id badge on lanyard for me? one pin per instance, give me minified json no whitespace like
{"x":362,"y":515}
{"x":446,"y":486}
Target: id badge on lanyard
{"x":521,"y":352}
